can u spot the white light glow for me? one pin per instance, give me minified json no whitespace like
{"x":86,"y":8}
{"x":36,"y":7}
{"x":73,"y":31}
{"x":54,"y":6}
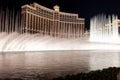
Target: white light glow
{"x":104,"y":29}
{"x":27,"y":42}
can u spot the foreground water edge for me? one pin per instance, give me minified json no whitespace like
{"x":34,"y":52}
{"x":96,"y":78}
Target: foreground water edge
{"x":50,"y":64}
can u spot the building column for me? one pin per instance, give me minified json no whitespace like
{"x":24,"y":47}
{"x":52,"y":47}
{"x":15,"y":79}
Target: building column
{"x":32,"y":21}
{"x":40,"y":25}
{"x":43,"y":27}
{"x":26,"y":23}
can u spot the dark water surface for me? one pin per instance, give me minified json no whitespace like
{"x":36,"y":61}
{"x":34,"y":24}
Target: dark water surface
{"x":47,"y":65}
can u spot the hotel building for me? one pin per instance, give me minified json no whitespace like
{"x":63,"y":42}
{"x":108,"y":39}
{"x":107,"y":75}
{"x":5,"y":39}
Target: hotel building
{"x":119,"y":26}
{"x":39,"y":19}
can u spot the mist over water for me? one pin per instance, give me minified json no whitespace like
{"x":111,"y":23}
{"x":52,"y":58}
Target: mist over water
{"x":16,"y":42}
{"x":14,"y":39}
{"x":56,"y":56}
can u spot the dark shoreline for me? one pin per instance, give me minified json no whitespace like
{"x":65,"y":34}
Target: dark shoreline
{"x":110,"y":73}
{"x":105,"y":74}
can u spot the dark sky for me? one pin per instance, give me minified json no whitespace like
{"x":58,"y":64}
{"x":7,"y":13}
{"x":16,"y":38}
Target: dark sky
{"x":85,"y":8}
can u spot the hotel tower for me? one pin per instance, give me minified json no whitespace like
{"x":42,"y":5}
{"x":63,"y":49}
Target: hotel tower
{"x":39,"y":19}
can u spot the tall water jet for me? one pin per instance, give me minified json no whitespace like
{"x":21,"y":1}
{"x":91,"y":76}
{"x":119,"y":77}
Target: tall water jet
{"x":104,"y":29}
{"x":10,"y":20}
{"x":13,"y":37}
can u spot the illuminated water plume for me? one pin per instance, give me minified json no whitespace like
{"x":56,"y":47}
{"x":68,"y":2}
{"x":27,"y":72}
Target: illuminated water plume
{"x":104,"y":29}
{"x":12,"y":37}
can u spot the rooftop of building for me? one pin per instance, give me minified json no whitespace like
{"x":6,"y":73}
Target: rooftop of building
{"x":56,"y":8}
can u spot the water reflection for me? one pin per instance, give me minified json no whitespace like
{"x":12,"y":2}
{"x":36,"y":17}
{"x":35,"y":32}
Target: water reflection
{"x":100,"y":60}
{"x":51,"y":64}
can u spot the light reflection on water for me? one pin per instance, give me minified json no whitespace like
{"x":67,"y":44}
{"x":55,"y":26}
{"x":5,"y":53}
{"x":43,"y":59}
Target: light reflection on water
{"x":54,"y":63}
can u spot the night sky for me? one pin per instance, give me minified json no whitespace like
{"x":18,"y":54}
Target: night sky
{"x":85,"y":8}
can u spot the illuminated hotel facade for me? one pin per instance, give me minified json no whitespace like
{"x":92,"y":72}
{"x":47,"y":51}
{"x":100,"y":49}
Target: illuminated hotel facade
{"x":39,"y":19}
